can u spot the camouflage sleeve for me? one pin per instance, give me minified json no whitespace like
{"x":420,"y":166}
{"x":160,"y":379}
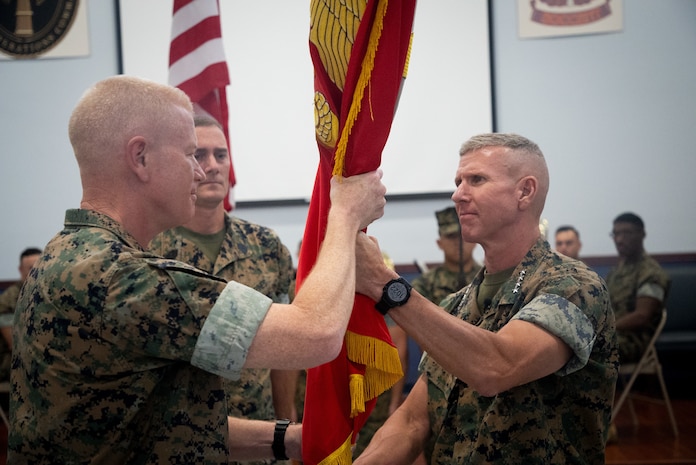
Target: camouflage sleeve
{"x":286,"y":274}
{"x":653,"y":281}
{"x":227,"y":333}
{"x":565,"y":320}
{"x":653,"y":290}
{"x":6,"y":320}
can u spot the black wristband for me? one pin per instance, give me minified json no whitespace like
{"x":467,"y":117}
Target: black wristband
{"x":278,"y":445}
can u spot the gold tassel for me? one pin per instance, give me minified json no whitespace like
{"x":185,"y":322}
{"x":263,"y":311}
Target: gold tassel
{"x":382,"y":368}
{"x":357,"y":394}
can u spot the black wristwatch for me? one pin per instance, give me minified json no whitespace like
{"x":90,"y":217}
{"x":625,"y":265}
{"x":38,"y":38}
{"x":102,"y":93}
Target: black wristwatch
{"x":278,"y":445}
{"x":395,"y":293}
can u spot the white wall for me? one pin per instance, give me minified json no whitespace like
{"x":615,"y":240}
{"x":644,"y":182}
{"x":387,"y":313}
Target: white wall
{"x":614,"y":113}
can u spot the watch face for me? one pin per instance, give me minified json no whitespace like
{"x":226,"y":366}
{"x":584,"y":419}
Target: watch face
{"x":397,"y":292}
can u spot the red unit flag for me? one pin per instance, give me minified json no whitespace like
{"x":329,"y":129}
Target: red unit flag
{"x":360,"y":53}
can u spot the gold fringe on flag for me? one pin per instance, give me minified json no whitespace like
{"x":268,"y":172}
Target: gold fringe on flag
{"x":382,"y":369}
{"x":341,"y":456}
{"x":363,"y":81}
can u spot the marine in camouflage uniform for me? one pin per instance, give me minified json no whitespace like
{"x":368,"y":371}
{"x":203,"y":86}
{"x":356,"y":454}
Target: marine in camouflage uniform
{"x":643,"y":277}
{"x":106,"y":330}
{"x":638,"y":287}
{"x":8,"y":303}
{"x":253,"y":255}
{"x":560,"y":418}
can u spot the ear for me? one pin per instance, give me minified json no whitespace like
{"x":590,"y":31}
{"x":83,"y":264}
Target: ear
{"x":527,"y":189}
{"x":136,"y":157}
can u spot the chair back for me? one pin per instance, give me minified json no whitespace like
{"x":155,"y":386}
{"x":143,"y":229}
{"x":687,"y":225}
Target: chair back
{"x":649,"y":363}
{"x":646,"y":364}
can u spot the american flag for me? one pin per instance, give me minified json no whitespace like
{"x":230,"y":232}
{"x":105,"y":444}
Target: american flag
{"x":197,"y":63}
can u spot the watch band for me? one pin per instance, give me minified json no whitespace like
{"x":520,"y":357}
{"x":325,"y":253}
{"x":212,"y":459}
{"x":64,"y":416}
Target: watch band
{"x":383,"y":307}
{"x":278,"y":445}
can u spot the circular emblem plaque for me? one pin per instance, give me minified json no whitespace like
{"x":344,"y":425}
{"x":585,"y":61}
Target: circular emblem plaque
{"x":29,"y":28}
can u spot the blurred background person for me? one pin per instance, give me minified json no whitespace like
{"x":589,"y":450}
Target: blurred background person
{"x":459,"y":267}
{"x":638,"y":289}
{"x":637,"y":286}
{"x":8,"y":302}
{"x":568,"y":241}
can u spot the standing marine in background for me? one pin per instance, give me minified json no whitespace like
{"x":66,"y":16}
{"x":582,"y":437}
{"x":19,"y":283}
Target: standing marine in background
{"x":459,"y":267}
{"x":241,"y":251}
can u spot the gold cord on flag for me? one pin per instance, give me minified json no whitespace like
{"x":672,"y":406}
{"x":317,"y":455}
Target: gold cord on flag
{"x":363,"y":81}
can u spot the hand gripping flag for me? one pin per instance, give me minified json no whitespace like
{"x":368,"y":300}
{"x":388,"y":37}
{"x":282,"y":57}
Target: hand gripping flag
{"x":359,"y":49}
{"x":197,"y":64}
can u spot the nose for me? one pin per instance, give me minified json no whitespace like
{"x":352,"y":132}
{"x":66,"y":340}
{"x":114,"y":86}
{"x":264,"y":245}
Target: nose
{"x":209,"y":163}
{"x":198,"y":173}
{"x":459,"y":194}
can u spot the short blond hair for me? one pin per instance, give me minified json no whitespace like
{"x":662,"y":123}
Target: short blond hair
{"x":117,"y":108}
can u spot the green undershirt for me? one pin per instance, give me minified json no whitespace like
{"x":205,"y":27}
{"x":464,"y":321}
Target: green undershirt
{"x":490,"y":285}
{"x":210,"y":244}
